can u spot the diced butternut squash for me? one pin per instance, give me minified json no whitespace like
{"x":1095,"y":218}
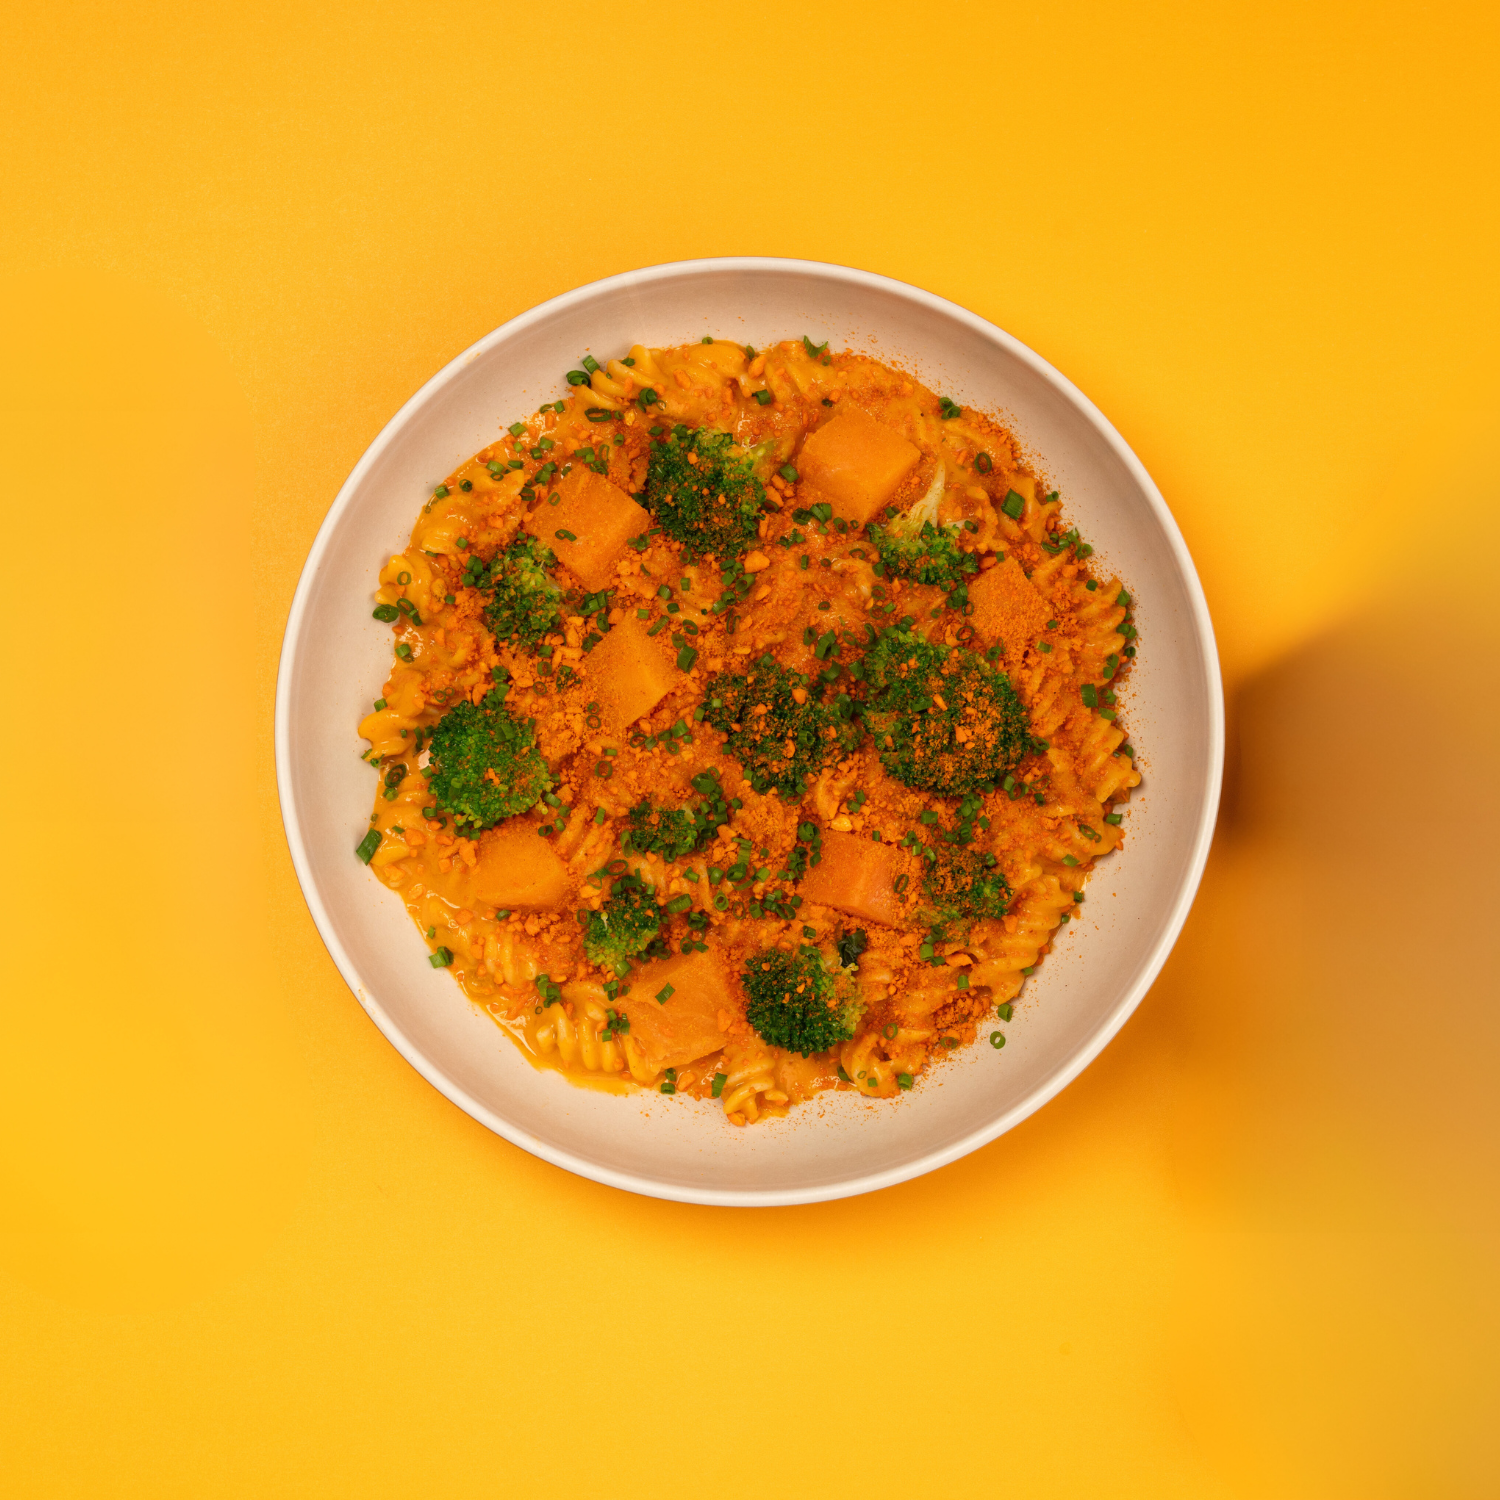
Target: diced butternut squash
{"x":686,"y":1025}
{"x":856,"y":462}
{"x":629,"y":674}
{"x":602,"y":518}
{"x":517,"y":869}
{"x":1007,"y":608}
{"x":856,"y":875}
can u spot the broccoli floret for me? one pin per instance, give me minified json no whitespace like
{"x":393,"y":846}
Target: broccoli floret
{"x":924,"y":553}
{"x":625,"y":925}
{"x":703,"y":492}
{"x":915,"y":546}
{"x":964,"y":884}
{"x":796,"y":1001}
{"x":485,"y":765}
{"x":780,"y":742}
{"x":676,"y":832}
{"x":921,"y":694}
{"x":525,"y":601}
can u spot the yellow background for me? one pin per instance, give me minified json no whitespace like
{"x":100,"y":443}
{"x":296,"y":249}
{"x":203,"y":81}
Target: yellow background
{"x":246,"y":1251}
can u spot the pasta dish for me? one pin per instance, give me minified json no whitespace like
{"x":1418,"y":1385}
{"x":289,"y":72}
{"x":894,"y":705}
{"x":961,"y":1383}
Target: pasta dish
{"x":751,"y":726}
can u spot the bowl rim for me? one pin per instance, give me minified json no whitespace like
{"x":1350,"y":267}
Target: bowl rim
{"x":868,"y":1182}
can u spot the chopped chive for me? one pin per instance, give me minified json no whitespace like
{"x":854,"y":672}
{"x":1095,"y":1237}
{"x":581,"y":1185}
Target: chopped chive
{"x":440,"y":958}
{"x":367,"y":846}
{"x":788,"y":473}
{"x":997,"y":1040}
{"x":564,"y":536}
{"x":1114,"y":818}
{"x":764,"y":397}
{"x":720,"y":1079}
{"x":666,"y":992}
{"x":1013,"y":505}
{"x":904,"y":1080}
{"x":385,"y":613}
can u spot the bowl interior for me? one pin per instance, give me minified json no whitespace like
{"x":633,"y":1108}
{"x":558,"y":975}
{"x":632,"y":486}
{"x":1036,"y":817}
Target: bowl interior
{"x":336,"y":657}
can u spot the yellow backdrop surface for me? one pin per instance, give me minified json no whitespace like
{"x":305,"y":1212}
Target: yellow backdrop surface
{"x":246,"y":1251}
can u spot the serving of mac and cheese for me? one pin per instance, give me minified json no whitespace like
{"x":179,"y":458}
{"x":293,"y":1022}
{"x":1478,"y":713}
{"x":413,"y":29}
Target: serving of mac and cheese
{"x":751,"y":727}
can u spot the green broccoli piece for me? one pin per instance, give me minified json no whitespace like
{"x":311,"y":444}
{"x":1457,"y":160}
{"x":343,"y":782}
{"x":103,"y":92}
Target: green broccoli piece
{"x":920,"y":694}
{"x":676,"y":832}
{"x":915,"y":546}
{"x":703,"y":492}
{"x":781,"y":743}
{"x":796,"y":1001}
{"x":624,"y":926}
{"x":525,"y":601}
{"x":964,"y":884}
{"x":924,"y":553}
{"x":485,"y":766}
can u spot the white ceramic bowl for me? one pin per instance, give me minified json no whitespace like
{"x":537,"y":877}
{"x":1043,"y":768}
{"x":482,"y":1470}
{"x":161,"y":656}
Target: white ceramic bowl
{"x":335,"y":658}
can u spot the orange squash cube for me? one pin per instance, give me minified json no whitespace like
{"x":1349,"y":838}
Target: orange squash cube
{"x":685,"y":1026}
{"x":516,"y":868}
{"x":856,"y":462}
{"x":599,"y":515}
{"x":858,"y":876}
{"x":629,"y":674}
{"x":1007,"y":608}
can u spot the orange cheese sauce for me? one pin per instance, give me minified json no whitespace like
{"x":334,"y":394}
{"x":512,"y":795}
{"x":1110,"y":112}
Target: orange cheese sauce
{"x":618,"y":719}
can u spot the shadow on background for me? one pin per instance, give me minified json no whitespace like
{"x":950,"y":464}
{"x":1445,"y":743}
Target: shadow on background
{"x":1336,"y":1127}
